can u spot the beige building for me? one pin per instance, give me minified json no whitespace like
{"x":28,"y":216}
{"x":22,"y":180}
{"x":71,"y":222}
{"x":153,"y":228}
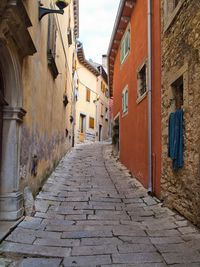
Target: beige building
{"x":180,"y":181}
{"x":91,"y":122}
{"x":36,"y":96}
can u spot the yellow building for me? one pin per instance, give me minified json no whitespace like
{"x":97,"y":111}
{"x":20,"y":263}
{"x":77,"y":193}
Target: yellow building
{"x":91,"y":122}
{"x":102,"y":104}
{"x":36,"y":95}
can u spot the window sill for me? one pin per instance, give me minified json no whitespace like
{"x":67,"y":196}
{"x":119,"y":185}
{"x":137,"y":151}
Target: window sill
{"x":141,"y":98}
{"x":170,"y":18}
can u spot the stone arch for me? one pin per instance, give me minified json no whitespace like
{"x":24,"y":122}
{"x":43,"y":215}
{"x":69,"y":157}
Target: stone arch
{"x":11,"y":71}
{"x":11,"y":199}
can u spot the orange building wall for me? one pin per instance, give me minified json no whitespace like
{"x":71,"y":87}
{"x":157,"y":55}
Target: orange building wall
{"x":134,"y":125}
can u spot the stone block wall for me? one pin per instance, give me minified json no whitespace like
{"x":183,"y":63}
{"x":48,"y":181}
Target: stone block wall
{"x":181,"y":59}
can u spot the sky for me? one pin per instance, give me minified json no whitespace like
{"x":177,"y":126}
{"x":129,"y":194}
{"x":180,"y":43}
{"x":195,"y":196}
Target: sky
{"x":97,"y":19}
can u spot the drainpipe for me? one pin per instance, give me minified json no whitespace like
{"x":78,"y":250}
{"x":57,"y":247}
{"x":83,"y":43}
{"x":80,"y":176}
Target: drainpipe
{"x":150,"y":187}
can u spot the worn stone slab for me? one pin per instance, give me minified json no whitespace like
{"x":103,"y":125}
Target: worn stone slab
{"x":94,"y":250}
{"x":30,"y":250}
{"x":128,"y":231}
{"x":98,"y":222}
{"x":100,"y":241}
{"x":151,"y":257}
{"x":187,"y":230}
{"x":138,"y":265}
{"x":57,"y":222}
{"x":87,"y":260}
{"x":163,"y":233}
{"x":181,"y":258}
{"x":134,"y":248}
{"x":21,"y":237}
{"x":40,"y":262}
{"x":87,"y":234}
{"x":49,"y":215}
{"x":52,"y":242}
{"x":135,"y":239}
{"x":166,"y":240}
{"x":105,"y":199}
{"x":186,"y":265}
{"x":150,"y":201}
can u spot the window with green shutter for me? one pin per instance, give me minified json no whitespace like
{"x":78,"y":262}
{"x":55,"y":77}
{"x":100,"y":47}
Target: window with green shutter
{"x":125,"y":100}
{"x":125,"y":46}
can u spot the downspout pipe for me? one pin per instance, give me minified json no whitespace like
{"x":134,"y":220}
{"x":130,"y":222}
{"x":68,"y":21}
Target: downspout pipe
{"x":150,"y":180}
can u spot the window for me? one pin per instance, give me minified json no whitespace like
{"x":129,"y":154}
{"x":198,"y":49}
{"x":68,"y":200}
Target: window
{"x":171,"y":9}
{"x":125,"y":46}
{"x":102,"y":111}
{"x":87,"y":95}
{"x":125,"y":100}
{"x":106,"y":114}
{"x":103,"y":87}
{"x":69,"y":36}
{"x":91,"y":122}
{"x":142,"y":81}
{"x":51,"y":46}
{"x":177,"y":88}
{"x":107,"y":93}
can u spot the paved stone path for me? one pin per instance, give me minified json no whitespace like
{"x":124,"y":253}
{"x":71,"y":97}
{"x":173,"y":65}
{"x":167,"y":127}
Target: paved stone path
{"x":91,"y":212}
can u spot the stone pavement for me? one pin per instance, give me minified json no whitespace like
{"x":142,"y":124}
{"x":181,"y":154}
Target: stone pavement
{"x":91,"y":212}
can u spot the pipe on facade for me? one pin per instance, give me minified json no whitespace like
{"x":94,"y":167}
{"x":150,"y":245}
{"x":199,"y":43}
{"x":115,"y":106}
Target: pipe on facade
{"x":150,"y":180}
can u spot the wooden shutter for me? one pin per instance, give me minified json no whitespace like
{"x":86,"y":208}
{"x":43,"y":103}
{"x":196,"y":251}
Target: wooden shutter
{"x":87,"y":95}
{"x":91,"y":123}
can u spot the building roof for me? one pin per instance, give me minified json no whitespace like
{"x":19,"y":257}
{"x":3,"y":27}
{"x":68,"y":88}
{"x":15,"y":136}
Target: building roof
{"x":82,"y":60}
{"x":101,"y":70}
{"x":76,"y":18}
{"x":122,"y":19}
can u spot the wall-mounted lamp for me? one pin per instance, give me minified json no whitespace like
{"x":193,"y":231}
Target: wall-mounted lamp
{"x":61,"y":4}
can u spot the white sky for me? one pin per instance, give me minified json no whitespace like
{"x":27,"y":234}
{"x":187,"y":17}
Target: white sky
{"x":97,"y":19}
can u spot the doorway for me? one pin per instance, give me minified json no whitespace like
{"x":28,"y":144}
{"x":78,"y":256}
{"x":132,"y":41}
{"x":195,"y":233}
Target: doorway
{"x":100,"y":132}
{"x":82,"y":128}
{"x":116,"y":136}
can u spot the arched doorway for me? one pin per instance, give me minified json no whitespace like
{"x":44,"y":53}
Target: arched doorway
{"x":11,"y":117}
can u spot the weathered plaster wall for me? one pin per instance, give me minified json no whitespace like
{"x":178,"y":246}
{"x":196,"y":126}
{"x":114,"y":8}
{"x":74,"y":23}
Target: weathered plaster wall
{"x":44,"y":129}
{"x":180,"y":56}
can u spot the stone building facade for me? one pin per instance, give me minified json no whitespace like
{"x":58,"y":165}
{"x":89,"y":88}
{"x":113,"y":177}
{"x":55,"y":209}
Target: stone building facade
{"x":180,"y":189}
{"x":36,"y":96}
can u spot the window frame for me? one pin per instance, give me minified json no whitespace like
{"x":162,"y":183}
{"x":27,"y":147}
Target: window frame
{"x":125,"y":54}
{"x":125,"y":100}
{"x":171,"y":9}
{"x":140,"y":95}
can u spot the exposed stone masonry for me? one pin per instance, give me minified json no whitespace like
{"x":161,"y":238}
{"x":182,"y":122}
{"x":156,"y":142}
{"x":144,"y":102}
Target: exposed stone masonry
{"x":180,"y":57}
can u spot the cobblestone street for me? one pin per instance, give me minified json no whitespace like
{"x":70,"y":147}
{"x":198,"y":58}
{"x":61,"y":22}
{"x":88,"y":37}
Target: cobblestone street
{"x":91,"y":212}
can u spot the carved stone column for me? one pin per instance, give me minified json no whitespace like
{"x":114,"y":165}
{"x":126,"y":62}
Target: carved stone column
{"x":11,"y":199}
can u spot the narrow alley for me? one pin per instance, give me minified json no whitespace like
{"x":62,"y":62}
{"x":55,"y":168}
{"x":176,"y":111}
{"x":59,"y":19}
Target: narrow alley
{"x":91,"y":212}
